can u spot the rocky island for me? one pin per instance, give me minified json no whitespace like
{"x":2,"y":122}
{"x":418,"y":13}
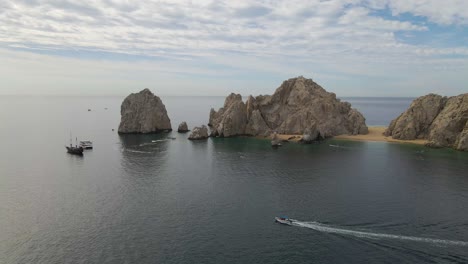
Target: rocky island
{"x":442,"y":121}
{"x":183,"y":127}
{"x":298,"y":105}
{"x":143,"y":112}
{"x":199,"y":133}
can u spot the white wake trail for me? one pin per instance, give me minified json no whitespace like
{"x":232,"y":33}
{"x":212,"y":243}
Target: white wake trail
{"x":329,"y":229}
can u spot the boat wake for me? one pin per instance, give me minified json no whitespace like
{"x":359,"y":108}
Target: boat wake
{"x":330,"y":229}
{"x":137,"y":151}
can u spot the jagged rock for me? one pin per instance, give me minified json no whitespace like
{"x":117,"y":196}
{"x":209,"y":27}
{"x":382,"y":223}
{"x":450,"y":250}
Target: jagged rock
{"x":256,"y":124}
{"x":183,"y":127}
{"x":440,"y":120}
{"x":462,"y":140}
{"x":447,"y":129}
{"x":199,"y":133}
{"x":143,"y":112}
{"x":230,"y":120}
{"x":310,"y":134}
{"x":415,"y":122}
{"x":356,"y":123}
{"x":299,"y":103}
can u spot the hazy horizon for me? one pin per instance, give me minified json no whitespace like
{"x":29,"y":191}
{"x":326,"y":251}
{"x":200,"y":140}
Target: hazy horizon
{"x":357,"y":48}
{"x":244,"y":96}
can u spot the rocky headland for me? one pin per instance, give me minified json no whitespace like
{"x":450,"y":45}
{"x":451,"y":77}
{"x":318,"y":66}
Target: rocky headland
{"x":442,"y":121}
{"x":299,"y":105}
{"x":143,"y":112}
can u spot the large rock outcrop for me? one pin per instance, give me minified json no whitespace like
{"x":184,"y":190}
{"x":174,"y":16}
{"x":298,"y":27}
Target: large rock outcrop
{"x":143,"y":112}
{"x":415,"y":122}
{"x":298,"y":104}
{"x":199,"y":133}
{"x":440,"y":120}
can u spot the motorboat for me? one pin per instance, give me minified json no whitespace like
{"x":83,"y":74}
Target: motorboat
{"x":86,"y":144}
{"x":283,"y":220}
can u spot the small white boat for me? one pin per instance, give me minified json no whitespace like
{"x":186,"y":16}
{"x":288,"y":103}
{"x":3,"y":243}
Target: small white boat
{"x":283,"y":220}
{"x":86,"y":144}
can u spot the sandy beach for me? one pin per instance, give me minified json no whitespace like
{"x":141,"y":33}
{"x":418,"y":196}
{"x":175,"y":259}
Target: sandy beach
{"x":375,"y":134}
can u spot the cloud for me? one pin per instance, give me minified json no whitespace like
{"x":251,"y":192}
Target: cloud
{"x":441,"y":12}
{"x":252,"y":11}
{"x":279,"y":37}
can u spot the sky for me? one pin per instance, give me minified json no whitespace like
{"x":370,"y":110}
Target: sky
{"x":203,"y":47}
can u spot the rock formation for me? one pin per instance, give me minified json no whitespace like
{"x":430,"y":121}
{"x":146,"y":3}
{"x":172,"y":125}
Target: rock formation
{"x":415,"y":122}
{"x":310,"y":134}
{"x":275,"y":141}
{"x":143,"y":112}
{"x":298,"y":104}
{"x":231,"y":119}
{"x":442,"y":121}
{"x":183,"y":127}
{"x":199,"y":133}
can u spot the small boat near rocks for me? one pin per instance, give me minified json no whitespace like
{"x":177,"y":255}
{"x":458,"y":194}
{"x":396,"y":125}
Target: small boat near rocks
{"x":86,"y":144}
{"x":75,"y":150}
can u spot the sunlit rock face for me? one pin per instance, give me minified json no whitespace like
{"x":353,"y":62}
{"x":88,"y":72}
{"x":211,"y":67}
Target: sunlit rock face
{"x":298,"y":104}
{"x":143,"y":112}
{"x":443,"y":121}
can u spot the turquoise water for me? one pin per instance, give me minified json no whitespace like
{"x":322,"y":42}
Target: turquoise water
{"x":132,"y":200}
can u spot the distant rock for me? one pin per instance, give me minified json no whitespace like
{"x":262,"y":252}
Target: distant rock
{"x":199,"y":133}
{"x":298,"y":104}
{"x":440,"y":120}
{"x":183,"y":127}
{"x":143,"y":112}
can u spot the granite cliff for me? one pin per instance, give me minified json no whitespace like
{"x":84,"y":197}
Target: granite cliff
{"x":299,"y":104}
{"x":143,"y":112}
{"x":442,"y":121}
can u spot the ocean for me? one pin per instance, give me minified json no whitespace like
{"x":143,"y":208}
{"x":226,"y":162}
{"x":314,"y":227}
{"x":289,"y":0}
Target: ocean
{"x":153,"y":199}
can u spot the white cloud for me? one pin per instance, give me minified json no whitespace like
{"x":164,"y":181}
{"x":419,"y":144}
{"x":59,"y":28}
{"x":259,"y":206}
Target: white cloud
{"x":335,"y":37}
{"x":142,"y":27}
{"x":437,"y":11}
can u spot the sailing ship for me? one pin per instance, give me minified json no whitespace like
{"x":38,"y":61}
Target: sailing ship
{"x":76,"y":150}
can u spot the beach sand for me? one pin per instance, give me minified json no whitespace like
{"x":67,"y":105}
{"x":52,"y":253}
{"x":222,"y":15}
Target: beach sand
{"x":375,"y":134}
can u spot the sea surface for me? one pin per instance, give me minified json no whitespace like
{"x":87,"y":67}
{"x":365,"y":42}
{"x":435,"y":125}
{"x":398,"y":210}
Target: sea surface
{"x":153,"y":199}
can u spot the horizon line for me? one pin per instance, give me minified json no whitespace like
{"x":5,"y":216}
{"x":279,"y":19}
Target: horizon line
{"x":173,"y":95}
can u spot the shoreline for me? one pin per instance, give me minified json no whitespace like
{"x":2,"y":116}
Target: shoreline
{"x":375,"y":135}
